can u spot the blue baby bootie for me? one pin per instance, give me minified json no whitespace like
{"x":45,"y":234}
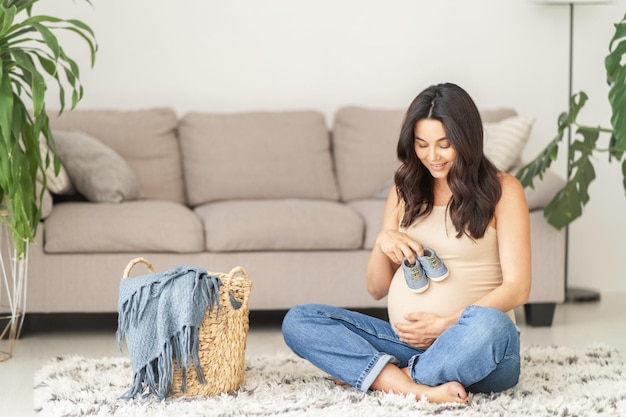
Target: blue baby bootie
{"x":433,"y":266}
{"x":414,"y":276}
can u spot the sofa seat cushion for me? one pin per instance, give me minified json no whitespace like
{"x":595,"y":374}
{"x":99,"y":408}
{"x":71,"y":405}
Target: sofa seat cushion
{"x":256,"y":155}
{"x":371,"y":210}
{"x":285,"y":224}
{"x":134,"y":226}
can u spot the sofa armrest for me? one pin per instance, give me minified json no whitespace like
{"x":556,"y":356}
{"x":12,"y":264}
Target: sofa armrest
{"x":544,"y":190}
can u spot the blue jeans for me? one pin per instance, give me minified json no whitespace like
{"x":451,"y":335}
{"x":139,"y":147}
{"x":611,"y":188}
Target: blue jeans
{"x":481,"y":351}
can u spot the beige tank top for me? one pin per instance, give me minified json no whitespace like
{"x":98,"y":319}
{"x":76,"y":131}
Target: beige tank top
{"x":474,"y":267}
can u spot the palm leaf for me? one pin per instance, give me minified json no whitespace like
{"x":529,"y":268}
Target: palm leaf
{"x":31,"y":57}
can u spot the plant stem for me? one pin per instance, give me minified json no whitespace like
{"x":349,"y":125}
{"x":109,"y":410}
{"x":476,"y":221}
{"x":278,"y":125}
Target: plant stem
{"x":596,"y":128}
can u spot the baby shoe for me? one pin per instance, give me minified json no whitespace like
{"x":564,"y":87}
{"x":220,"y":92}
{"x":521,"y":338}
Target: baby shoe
{"x":432,"y":266}
{"x":414,"y":276}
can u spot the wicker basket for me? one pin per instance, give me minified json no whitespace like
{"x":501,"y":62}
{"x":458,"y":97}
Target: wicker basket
{"x":223,"y":337}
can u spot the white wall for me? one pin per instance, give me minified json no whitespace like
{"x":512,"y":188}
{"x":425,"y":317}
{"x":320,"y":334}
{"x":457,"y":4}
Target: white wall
{"x":238,"y":55}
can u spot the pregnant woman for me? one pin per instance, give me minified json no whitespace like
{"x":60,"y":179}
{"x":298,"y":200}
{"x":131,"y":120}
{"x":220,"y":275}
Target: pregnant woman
{"x":453,"y":260}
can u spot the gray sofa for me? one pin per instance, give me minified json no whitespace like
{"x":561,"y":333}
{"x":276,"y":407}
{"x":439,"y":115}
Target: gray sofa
{"x":294,"y":203}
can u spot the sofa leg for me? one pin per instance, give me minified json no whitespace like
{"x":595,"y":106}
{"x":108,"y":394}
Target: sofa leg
{"x":539,"y":314}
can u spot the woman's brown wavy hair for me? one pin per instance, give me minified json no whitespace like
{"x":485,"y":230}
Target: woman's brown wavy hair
{"x":473,"y":179}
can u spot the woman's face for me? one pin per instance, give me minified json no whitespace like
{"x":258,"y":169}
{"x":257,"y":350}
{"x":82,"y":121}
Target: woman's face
{"x":433,"y":147}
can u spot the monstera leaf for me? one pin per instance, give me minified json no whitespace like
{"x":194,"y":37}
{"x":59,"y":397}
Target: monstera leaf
{"x":543,"y":161}
{"x":616,"y":76}
{"x":568,"y":204}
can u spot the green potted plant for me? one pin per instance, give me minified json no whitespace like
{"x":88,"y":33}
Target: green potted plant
{"x":31,"y":57}
{"x":567,"y":205}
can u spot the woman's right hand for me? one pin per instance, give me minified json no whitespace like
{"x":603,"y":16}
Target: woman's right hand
{"x":390,"y":248}
{"x":397,"y":246}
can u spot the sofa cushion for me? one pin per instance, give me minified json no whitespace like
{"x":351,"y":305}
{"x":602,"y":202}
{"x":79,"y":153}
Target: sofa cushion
{"x":97,"y":171}
{"x":496,"y":114}
{"x":364,"y":147}
{"x":286,"y":224}
{"x":134,"y":226}
{"x":146,"y":139}
{"x":371,"y":210}
{"x":256,"y":155}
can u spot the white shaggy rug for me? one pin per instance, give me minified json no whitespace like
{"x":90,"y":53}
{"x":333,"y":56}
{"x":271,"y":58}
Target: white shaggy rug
{"x":556,"y":381}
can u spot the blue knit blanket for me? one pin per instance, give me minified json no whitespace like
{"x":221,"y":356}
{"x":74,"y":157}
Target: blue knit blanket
{"x":160,"y":316}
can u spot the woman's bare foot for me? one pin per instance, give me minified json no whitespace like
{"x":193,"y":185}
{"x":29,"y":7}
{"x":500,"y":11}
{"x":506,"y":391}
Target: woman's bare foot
{"x":340,"y":383}
{"x":451,"y":392}
{"x":396,"y":380}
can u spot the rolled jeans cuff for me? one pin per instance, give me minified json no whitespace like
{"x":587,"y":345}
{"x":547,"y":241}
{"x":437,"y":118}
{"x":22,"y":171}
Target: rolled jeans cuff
{"x":374,"y":369}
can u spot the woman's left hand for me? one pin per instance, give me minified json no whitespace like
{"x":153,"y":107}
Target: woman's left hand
{"x":422,"y":329}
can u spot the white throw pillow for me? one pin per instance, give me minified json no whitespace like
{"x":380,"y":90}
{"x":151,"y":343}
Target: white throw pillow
{"x":56,"y":184}
{"x":505,"y":140}
{"x":97,"y":171}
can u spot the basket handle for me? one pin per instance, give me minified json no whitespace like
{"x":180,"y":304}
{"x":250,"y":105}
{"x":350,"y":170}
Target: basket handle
{"x":238,"y":270}
{"x":134,"y":262}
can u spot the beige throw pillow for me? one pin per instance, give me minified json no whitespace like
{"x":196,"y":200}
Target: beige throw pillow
{"x":97,"y":171}
{"x":505,"y":140}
